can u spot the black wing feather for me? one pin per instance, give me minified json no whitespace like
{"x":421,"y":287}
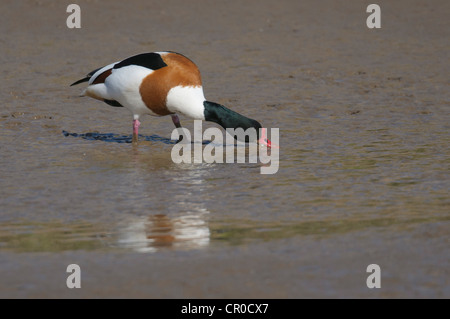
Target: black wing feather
{"x":90,"y":74}
{"x":152,"y":61}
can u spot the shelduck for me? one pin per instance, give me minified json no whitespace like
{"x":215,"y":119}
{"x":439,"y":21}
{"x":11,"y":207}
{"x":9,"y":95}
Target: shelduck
{"x":159,"y":84}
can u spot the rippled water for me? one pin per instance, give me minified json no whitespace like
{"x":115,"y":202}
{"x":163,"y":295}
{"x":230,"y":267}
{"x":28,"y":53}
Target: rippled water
{"x":364,"y":157}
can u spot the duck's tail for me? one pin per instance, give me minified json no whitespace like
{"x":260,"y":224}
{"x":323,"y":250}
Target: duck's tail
{"x":86,"y":79}
{"x":81,"y":81}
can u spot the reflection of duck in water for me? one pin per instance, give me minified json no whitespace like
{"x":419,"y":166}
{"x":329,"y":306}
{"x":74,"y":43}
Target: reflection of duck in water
{"x":162,"y":83}
{"x":149,"y":234}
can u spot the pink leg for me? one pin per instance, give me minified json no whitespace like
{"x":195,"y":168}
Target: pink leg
{"x":176,"y":121}
{"x":136,"y":125}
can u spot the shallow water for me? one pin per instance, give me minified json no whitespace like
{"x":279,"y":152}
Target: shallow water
{"x":364,"y":158}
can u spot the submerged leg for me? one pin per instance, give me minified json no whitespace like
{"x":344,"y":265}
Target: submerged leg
{"x":136,"y":125}
{"x":176,"y":121}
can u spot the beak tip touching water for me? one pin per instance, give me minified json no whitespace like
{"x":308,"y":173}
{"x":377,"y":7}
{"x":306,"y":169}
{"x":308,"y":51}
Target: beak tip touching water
{"x":267,"y":143}
{"x":263,"y":140}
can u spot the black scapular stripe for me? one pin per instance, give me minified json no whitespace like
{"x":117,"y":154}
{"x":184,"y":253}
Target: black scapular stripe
{"x":151,"y":61}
